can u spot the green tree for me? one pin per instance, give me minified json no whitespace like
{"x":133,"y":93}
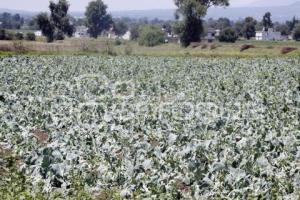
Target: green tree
{"x":192,"y":12}
{"x":267,"y":21}
{"x":46,"y":25}
{"x":2,"y":34}
{"x":97,"y":17}
{"x":120,"y":27}
{"x":238,"y":26}
{"x":228,"y":35}
{"x":249,"y":28}
{"x":291,"y":24}
{"x":58,"y":24}
{"x":296,"y":32}
{"x":151,"y":35}
{"x":134,"y":32}
{"x":61,"y":19}
{"x":283,"y":29}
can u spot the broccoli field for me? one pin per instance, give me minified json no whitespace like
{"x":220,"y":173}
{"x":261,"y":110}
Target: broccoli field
{"x":84,"y":127}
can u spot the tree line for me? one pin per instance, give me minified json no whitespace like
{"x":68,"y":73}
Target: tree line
{"x":189,"y":23}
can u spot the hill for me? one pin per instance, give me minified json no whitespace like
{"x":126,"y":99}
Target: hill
{"x":279,"y":13}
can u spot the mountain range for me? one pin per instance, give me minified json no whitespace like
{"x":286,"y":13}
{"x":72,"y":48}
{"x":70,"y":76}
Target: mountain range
{"x":256,"y":10}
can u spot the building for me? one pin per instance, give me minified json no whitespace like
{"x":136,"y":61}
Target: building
{"x":38,"y":33}
{"x":81,"y":31}
{"x":268,"y":34}
{"x":212,"y":34}
{"x":170,"y":37}
{"x":127,"y":36}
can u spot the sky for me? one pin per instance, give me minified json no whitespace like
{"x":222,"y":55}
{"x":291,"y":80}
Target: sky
{"x":80,"y":5}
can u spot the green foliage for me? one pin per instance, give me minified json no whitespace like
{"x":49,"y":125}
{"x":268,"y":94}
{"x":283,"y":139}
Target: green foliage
{"x":296,"y":32}
{"x":58,"y":24}
{"x":47,"y":27}
{"x":9,"y":21}
{"x":149,"y":128}
{"x":120,"y":27}
{"x":151,"y":35}
{"x":2,"y":34}
{"x":267,"y":21}
{"x":192,"y":11}
{"x":228,"y":35}
{"x":98,"y":20}
{"x":30,"y":36}
{"x":134,"y":32}
{"x":249,"y":27}
{"x":19,"y":36}
{"x":118,"y":42}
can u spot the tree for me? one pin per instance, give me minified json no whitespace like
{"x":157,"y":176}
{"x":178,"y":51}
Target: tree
{"x":283,"y":29}
{"x":291,"y":24}
{"x":267,"y":22}
{"x":46,"y":25}
{"x":134,"y":32}
{"x":120,"y":28}
{"x":2,"y":34}
{"x":296,"y":32}
{"x":58,"y":24}
{"x":151,"y":35}
{"x":60,"y":17}
{"x":97,"y":18}
{"x":239,"y":26}
{"x":228,"y":35}
{"x":249,"y":28}
{"x":192,"y":12}
{"x":9,"y":21}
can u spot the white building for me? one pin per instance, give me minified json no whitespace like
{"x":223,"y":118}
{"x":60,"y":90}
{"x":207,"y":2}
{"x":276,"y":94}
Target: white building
{"x":126,"y":36}
{"x":38,"y":33}
{"x":81,"y":31}
{"x":270,"y":34}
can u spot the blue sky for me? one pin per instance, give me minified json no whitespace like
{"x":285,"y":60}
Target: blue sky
{"x":79,"y":5}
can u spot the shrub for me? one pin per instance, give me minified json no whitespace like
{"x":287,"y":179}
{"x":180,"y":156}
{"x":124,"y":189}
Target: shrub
{"x":128,"y":50}
{"x":228,"y":35}
{"x":151,"y":35}
{"x":30,"y":37}
{"x":118,"y":42}
{"x":9,"y":36}
{"x":286,"y":50}
{"x":296,"y":33}
{"x":19,"y":36}
{"x":246,"y":46}
{"x":2,"y":34}
{"x":109,"y":50}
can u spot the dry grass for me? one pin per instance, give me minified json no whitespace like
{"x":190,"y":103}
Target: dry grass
{"x":103,"y":46}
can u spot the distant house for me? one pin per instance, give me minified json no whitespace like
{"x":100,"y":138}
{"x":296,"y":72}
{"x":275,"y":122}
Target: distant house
{"x":212,"y":34}
{"x":170,"y":37}
{"x":268,"y":34}
{"x":127,"y":36}
{"x":38,"y":33}
{"x":81,"y":31}
{"x":111,"y":34}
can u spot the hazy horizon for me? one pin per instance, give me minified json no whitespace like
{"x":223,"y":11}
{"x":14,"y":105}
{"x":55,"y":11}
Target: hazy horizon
{"x":115,"y":5}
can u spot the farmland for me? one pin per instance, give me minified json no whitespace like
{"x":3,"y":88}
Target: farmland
{"x":85,"y":127}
